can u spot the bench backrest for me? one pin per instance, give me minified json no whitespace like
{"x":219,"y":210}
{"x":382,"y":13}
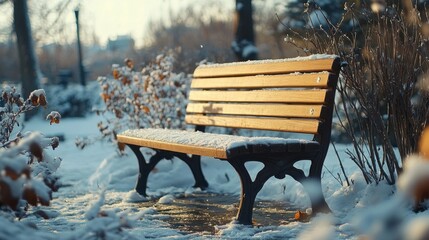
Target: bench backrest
{"x":280,"y":95}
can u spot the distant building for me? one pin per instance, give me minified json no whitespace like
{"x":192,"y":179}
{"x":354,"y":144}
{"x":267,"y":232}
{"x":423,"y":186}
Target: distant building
{"x":121,"y":43}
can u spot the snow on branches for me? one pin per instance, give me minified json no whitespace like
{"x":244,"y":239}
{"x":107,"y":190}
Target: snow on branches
{"x":154,"y":97}
{"x":26,"y":171}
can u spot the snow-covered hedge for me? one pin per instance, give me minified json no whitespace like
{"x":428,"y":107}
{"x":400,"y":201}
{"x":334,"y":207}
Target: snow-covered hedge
{"x":153,"y":97}
{"x":74,"y":100}
{"x":26,"y":171}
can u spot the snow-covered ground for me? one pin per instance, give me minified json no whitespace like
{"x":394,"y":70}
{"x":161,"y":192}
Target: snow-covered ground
{"x":96,"y":178}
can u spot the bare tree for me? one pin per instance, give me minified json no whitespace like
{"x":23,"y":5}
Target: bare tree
{"x":29,"y":67}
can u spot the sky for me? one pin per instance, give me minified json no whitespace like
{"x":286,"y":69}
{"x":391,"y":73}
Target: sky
{"x":110,"y":18}
{"x":107,"y":18}
{"x":118,"y":17}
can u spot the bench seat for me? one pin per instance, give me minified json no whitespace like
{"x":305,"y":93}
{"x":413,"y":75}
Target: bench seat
{"x":220,"y":146}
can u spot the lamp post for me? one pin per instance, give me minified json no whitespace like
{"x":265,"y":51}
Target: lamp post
{"x":79,"y":48}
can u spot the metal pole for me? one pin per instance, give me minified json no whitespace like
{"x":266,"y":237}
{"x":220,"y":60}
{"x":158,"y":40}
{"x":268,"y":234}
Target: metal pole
{"x":79,"y":48}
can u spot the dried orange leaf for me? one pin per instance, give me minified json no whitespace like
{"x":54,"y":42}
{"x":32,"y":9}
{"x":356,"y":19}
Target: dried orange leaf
{"x":30,"y":195}
{"x":54,"y":117}
{"x":6,"y":196}
{"x":125,"y":81}
{"x":421,"y":190}
{"x":105,"y":97}
{"x":36,"y":151}
{"x":129,"y":63}
{"x":118,"y":113}
{"x":302,"y":216}
{"x":34,"y":100}
{"x":115,"y":74}
{"x":11,"y":173}
{"x":42,"y":100}
{"x":121,"y":146}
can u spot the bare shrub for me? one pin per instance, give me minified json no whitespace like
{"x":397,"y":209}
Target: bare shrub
{"x":74,"y":100}
{"x":154,"y":97}
{"x":380,"y":107}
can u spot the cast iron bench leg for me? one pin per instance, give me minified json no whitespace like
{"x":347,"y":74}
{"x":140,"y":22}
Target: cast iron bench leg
{"x":194,"y":164}
{"x":312,"y":185}
{"x":144,"y":168}
{"x":318,"y":203}
{"x":249,"y":189}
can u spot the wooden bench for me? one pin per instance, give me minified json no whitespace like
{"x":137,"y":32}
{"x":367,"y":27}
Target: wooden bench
{"x":288,"y":95}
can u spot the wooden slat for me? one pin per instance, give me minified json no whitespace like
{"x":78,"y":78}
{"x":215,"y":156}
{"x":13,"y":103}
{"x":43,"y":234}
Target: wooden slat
{"x":280,"y":96}
{"x":319,"y":80}
{"x":273,"y":110}
{"x":198,"y":150}
{"x":269,"y":67}
{"x":275,"y":124}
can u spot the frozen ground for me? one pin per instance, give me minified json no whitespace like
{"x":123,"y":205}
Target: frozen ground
{"x":97,"y":178}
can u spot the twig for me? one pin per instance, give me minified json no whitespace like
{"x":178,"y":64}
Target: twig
{"x":341,"y":164}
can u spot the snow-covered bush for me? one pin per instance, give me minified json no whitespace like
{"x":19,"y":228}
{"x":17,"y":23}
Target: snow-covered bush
{"x":413,"y":182}
{"x":293,"y":17}
{"x":380,"y":106}
{"x":26,"y":171}
{"x":153,"y":97}
{"x":74,"y":100}
{"x":101,"y":224}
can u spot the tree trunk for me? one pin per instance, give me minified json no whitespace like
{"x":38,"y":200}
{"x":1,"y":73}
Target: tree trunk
{"x":29,"y":68}
{"x":244,"y":43}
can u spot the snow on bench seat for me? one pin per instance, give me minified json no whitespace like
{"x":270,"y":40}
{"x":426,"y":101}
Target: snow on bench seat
{"x":214,"y":145}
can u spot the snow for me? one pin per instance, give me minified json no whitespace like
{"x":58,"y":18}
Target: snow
{"x":249,"y":50}
{"x":9,"y":160}
{"x":41,"y":189}
{"x":167,"y":199}
{"x":416,"y":169}
{"x":211,"y":140}
{"x":322,"y":227}
{"x":37,"y":93}
{"x":97,"y":200}
{"x":93,"y":210}
{"x":418,"y":228}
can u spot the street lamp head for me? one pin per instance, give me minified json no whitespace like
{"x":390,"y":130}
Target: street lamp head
{"x":76,"y":10}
